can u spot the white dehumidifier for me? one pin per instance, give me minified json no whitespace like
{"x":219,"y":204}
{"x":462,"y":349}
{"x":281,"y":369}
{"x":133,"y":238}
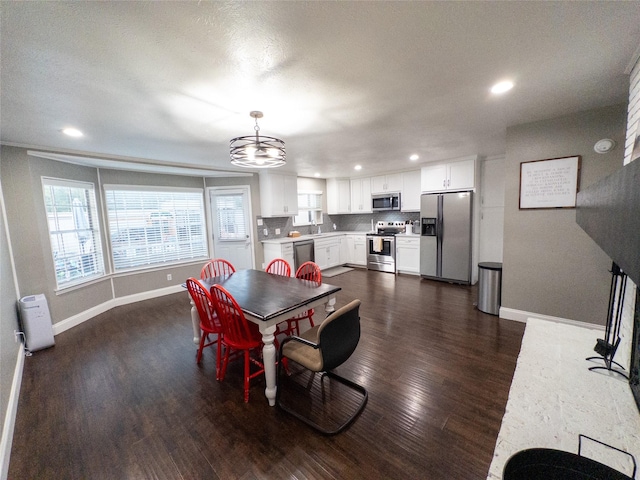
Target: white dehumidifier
{"x":36,"y":322}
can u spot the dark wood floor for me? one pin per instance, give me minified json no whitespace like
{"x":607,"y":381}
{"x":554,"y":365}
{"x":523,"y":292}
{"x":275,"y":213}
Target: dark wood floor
{"x":121,"y":396}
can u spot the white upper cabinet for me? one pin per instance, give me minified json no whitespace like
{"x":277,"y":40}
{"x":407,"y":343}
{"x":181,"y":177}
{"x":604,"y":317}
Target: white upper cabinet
{"x":361,"y":195}
{"x":433,"y":177}
{"x":411,"y":191}
{"x":338,"y":196}
{"x":278,"y":194}
{"x":459,"y":175}
{"x":386,"y":183}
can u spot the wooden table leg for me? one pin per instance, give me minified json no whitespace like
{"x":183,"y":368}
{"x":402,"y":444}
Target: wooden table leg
{"x":330,"y":306}
{"x":269,"y":357}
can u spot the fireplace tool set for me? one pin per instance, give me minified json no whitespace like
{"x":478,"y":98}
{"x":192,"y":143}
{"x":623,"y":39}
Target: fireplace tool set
{"x":606,"y":347}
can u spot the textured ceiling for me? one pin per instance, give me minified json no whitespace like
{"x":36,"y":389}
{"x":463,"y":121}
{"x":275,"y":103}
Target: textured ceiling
{"x":341,"y":82}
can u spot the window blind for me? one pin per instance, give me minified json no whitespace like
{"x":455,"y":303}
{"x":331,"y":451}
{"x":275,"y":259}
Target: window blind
{"x":231,"y":220}
{"x":74,"y":230}
{"x":154,"y":226}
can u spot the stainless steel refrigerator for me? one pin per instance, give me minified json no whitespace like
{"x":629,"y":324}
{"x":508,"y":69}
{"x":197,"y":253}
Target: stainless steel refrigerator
{"x":445,"y":236}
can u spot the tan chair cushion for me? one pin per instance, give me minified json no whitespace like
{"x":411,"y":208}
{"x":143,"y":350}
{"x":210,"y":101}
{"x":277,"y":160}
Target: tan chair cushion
{"x":305,"y":355}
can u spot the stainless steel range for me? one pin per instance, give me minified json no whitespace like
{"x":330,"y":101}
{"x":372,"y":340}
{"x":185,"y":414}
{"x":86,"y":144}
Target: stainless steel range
{"x":381,"y":246}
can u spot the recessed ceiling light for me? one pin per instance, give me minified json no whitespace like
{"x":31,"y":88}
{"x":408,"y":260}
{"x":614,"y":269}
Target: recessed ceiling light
{"x":358,"y":167}
{"x":316,"y":174}
{"x":502,"y":87}
{"x":414,"y":157}
{"x":72,"y":132}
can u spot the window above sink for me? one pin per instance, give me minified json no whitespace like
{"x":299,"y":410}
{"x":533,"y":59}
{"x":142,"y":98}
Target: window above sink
{"x":309,"y":209}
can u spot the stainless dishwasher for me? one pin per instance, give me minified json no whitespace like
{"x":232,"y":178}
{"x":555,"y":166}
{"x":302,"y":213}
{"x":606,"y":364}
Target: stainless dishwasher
{"x":303,"y":251}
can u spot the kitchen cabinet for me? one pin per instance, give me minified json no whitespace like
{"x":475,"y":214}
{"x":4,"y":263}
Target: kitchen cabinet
{"x":338,"y":196}
{"x":459,"y":175}
{"x":361,"y":195}
{"x":356,"y":250}
{"x":411,"y":191}
{"x":386,"y":183}
{"x":345,"y":254}
{"x":279,"y":250}
{"x":278,"y":194}
{"x":408,"y":254}
{"x":327,"y":252}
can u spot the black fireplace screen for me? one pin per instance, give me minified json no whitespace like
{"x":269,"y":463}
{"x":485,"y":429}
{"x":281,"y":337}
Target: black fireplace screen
{"x":634,"y":371}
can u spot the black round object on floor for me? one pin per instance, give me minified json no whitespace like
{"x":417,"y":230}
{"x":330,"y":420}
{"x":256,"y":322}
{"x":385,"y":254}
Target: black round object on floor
{"x":550,"y":464}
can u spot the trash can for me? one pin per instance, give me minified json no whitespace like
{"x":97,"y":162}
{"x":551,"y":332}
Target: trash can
{"x":489,"y":287}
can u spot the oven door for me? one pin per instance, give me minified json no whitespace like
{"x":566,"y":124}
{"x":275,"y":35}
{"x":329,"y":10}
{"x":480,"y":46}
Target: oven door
{"x":381,"y":253}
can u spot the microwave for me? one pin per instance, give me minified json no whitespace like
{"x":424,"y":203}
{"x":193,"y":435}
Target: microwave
{"x":385,"y":201}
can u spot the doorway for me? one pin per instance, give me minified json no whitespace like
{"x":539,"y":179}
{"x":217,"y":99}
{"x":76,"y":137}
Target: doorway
{"x":230,"y":209}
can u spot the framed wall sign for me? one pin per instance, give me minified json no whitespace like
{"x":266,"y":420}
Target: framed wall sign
{"x":549,"y":183}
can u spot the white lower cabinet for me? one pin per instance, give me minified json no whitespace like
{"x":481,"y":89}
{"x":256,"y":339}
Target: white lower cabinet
{"x":327,"y":252}
{"x":408,"y":254}
{"x":356,"y":250}
{"x":279,"y":250}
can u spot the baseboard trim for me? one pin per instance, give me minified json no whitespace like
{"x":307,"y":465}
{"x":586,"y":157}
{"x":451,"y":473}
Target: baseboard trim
{"x":10,"y":416}
{"x":522,"y":316}
{"x":81,"y":317}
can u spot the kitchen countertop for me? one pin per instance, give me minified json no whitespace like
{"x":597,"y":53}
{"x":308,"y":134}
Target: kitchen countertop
{"x":316,"y":236}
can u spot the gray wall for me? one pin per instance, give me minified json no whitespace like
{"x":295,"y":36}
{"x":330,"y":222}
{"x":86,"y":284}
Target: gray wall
{"x":8,"y":320}
{"x":26,"y":217}
{"x":551,"y":266}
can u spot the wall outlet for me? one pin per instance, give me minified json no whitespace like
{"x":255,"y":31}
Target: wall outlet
{"x":169,"y":277}
{"x":265,"y":232}
{"x":259,"y":222}
{"x":277,"y":231}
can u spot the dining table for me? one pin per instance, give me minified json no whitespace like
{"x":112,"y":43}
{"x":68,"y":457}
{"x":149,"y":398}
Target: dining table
{"x":267,"y":299}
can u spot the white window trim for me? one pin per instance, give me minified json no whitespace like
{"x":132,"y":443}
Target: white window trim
{"x":157,"y":189}
{"x":46,"y":181}
{"x":301,"y":209}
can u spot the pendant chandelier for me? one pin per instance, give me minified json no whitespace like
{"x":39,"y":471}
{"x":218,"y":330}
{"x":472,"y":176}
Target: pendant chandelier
{"x":257,"y":151}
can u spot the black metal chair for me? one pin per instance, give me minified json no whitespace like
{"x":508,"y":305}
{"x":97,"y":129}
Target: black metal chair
{"x":321,"y":349}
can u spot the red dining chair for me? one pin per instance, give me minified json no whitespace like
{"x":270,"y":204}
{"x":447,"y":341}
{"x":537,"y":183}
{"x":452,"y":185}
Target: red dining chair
{"x":279,"y":266}
{"x":239,"y":335}
{"x":311,"y":272}
{"x":209,"y":321}
{"x":216,"y":268}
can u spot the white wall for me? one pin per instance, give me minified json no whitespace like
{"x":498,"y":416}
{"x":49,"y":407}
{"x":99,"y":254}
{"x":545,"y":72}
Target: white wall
{"x":491,"y":209}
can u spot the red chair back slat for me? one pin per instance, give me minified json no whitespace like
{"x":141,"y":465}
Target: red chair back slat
{"x":309,"y":271}
{"x":202,"y":300}
{"x":238,"y":332}
{"x":216,"y":268}
{"x":279,"y":266}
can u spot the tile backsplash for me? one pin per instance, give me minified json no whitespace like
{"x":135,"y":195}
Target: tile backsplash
{"x":343,"y":223}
